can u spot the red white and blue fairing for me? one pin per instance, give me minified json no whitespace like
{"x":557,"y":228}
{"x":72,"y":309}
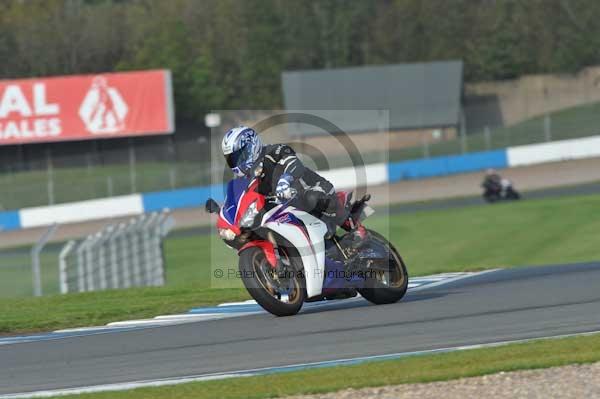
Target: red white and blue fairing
{"x":301,"y":229}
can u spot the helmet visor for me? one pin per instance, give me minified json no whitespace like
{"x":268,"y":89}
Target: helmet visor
{"x":238,"y":158}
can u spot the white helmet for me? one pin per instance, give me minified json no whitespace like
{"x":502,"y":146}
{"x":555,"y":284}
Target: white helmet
{"x":241,"y":147}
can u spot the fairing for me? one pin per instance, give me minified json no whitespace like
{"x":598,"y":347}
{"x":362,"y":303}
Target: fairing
{"x":302,"y":230}
{"x":305,"y":232}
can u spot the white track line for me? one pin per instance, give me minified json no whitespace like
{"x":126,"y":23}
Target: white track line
{"x":452,"y":279}
{"x":188,"y":316}
{"x":81,"y":329}
{"x":248,"y":302}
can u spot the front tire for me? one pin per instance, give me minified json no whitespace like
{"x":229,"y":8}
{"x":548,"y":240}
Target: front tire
{"x":490,"y":198}
{"x":513,"y":195}
{"x":281,"y":297}
{"x":386,"y":287}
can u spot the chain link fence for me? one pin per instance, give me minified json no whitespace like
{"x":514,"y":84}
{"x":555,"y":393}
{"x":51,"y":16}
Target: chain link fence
{"x":573,"y":123}
{"x":64,"y":172}
{"x":47,"y":174}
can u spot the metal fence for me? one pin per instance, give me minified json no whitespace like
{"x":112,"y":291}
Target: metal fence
{"x":582,"y":122}
{"x":48,"y":174}
{"x":119,"y":256}
{"x":30,"y":271}
{"x":65,"y":172}
{"x":128,"y":254}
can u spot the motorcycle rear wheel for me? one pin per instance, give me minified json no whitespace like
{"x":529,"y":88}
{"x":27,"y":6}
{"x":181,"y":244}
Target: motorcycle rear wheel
{"x":386,"y":287}
{"x":279,"y":296}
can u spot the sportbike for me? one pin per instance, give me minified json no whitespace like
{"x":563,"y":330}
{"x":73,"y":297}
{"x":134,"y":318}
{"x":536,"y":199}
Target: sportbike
{"x":285,"y":261}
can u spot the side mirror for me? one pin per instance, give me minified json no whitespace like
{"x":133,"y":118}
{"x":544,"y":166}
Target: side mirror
{"x":212,"y":206}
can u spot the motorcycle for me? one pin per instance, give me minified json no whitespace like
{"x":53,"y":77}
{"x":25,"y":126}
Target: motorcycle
{"x":499,"y":191}
{"x":284,"y":259}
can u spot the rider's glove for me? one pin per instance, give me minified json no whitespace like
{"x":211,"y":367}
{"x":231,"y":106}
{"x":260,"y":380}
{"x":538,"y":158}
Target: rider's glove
{"x":284,"y":188}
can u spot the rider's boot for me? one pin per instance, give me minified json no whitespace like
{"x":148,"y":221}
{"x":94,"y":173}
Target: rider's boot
{"x":331,"y":227}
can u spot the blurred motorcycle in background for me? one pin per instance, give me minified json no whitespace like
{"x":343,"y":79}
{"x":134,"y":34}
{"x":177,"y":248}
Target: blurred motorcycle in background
{"x":499,"y":189}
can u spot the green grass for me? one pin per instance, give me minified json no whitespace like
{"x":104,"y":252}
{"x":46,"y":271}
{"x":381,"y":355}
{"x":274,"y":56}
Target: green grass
{"x":99,"y":308}
{"x":429,"y":368}
{"x":15,"y":273}
{"x":532,"y":232}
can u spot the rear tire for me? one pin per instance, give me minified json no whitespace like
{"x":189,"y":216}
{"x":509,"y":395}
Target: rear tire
{"x":383,"y":289}
{"x":257,"y":278}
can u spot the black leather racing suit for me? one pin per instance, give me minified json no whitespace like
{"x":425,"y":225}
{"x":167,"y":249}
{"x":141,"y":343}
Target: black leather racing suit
{"x":492,"y":183}
{"x":316,"y":195}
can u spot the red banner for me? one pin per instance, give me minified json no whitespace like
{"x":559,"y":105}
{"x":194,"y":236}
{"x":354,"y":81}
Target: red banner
{"x":86,"y":107}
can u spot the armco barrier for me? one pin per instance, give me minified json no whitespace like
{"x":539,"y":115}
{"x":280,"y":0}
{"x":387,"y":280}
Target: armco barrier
{"x":441,"y":166}
{"x":82,"y":211}
{"x":554,"y":151}
{"x":10,"y":220}
{"x":346,"y":178}
{"x":341,"y":178}
{"x":197,"y":196}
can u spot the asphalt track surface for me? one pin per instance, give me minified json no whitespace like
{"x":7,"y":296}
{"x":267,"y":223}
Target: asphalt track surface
{"x":498,"y":306}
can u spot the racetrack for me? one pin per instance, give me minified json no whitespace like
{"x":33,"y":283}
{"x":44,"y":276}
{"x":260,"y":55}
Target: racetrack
{"x":497,"y":306}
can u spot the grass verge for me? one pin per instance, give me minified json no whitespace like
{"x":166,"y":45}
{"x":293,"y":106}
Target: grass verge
{"x":98,"y":308}
{"x":547,"y":231}
{"x":440,"y":367}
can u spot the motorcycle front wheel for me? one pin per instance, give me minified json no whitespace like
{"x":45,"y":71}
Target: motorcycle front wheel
{"x":491,"y":198}
{"x":512,"y":194}
{"x":279,"y":291}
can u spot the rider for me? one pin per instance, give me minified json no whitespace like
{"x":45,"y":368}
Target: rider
{"x":283,"y":174}
{"x":492,"y":180}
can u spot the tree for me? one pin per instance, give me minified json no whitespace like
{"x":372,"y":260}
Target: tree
{"x":231,"y":53}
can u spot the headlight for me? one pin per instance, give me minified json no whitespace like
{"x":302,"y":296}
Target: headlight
{"x":227,"y":234}
{"x":248,"y":218}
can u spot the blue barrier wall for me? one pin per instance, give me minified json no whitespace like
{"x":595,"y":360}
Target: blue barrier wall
{"x":438,"y":166}
{"x":183,"y":198}
{"x":441,"y":166}
{"x":10,"y":220}
{"x":197,"y":196}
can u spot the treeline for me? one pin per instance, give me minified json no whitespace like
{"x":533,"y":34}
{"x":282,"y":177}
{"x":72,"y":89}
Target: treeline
{"x":230,"y":53}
